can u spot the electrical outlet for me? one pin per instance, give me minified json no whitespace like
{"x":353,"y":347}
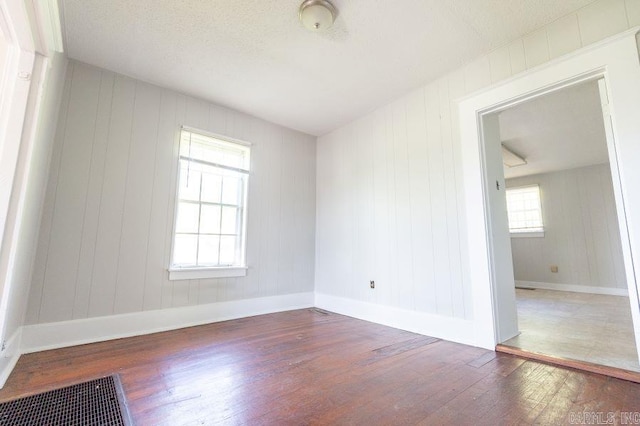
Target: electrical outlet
{"x":372,"y":284}
{"x":554,"y":269}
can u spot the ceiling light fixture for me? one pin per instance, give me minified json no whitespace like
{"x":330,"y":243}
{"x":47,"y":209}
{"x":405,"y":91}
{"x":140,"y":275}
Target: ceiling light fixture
{"x":317,"y":15}
{"x":511,"y":159}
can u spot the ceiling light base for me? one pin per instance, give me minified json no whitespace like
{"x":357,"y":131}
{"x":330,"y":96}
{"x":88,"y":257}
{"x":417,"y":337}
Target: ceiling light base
{"x":317,"y":15}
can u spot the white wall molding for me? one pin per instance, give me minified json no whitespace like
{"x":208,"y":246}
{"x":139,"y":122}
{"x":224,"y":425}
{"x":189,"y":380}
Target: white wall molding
{"x":9,"y":356}
{"x":40,"y":337}
{"x":611,"y":291}
{"x":448,"y":328}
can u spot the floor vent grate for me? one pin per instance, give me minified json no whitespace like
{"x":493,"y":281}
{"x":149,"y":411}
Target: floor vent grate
{"x":96,"y":402}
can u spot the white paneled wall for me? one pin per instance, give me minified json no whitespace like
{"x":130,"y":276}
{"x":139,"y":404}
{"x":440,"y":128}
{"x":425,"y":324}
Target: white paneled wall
{"x":581,"y":231}
{"x":389,"y":189}
{"x":105,"y":237}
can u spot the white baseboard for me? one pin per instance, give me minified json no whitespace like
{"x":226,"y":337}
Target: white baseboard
{"x":448,"y":328}
{"x":574,"y":288}
{"x":40,"y":337}
{"x":9,"y":356}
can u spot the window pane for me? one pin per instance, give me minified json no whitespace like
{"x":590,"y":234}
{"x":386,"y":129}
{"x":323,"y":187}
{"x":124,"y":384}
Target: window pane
{"x":210,"y":219}
{"x":211,"y":187}
{"x":184,"y":250}
{"x":208,"y":250}
{"x":210,"y":210}
{"x":524,"y":209}
{"x":187,"y":221}
{"x":227,"y":250}
{"x":230,"y":189}
{"x":189,"y":182}
{"x":229,"y":220}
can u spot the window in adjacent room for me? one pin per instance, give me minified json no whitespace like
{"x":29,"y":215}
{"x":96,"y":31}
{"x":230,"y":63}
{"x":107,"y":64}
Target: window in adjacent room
{"x":209,"y":237}
{"x":525,"y":211}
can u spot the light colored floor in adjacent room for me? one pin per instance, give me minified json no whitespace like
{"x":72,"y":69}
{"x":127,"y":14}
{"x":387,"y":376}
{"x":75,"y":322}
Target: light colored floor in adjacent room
{"x":586,"y":327}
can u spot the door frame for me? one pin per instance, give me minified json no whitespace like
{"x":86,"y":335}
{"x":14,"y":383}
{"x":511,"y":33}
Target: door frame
{"x":616,"y":61}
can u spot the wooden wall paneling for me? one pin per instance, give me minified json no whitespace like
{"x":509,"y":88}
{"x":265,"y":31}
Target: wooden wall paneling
{"x":247,"y":286}
{"x":168,"y":287}
{"x":517,"y":57}
{"x":347,"y":160}
{"x":612,"y":219}
{"x":601,"y":19}
{"x":500,"y":64}
{"x":457,"y":89}
{"x":343,"y":274}
{"x":438,"y":201}
{"x":395,"y":287}
{"x":449,"y":289}
{"x":299,"y":231}
{"x":155,"y":281}
{"x":477,"y":74}
{"x":536,"y":48}
{"x":581,"y":231}
{"x":451,"y":190}
{"x":310,"y":210}
{"x":110,"y":221}
{"x":272,"y":154}
{"x":92,"y":206}
{"x":115,"y":163}
{"x":563,"y":36}
{"x":129,"y":292}
{"x":382,"y":271}
{"x":73,"y":179}
{"x":287,"y":212}
{"x":404,"y":231}
{"x":364,"y":208}
{"x":420,"y":192}
{"x":257,"y":201}
{"x":581,"y":209}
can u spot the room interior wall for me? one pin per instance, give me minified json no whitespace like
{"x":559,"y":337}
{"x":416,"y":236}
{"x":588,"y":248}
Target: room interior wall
{"x":581,"y":231}
{"x":390,"y":196}
{"x":106,"y":232}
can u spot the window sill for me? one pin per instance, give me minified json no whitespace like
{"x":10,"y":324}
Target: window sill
{"x":537,"y":234}
{"x":202,"y":273}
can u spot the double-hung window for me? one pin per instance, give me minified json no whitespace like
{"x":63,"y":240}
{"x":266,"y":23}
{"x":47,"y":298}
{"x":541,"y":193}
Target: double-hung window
{"x":210,"y":223}
{"x":525,"y":211}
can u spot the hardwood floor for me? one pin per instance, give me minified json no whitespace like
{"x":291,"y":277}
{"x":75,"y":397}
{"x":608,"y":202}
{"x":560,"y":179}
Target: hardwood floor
{"x":312,"y":367}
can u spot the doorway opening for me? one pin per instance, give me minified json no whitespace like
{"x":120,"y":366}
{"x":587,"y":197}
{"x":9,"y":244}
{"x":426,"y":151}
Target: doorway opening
{"x":567,"y":263}
{"x":490,"y":265}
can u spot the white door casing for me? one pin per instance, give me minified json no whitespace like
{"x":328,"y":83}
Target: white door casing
{"x":616,"y":61}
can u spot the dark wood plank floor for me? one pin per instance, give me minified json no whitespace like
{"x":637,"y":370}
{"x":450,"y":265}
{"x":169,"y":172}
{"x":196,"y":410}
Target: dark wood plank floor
{"x":310,"y":367}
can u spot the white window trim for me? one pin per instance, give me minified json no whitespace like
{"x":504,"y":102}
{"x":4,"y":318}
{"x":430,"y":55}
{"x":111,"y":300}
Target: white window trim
{"x":196,"y":273}
{"x":533,"y":234}
{"x":203,"y":273}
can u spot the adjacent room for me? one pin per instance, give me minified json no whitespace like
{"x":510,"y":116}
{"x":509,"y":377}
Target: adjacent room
{"x":569,"y":270}
{"x":295,"y":212}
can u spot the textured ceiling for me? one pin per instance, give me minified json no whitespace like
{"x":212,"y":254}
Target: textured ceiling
{"x":559,"y":131}
{"x":255,"y":56}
